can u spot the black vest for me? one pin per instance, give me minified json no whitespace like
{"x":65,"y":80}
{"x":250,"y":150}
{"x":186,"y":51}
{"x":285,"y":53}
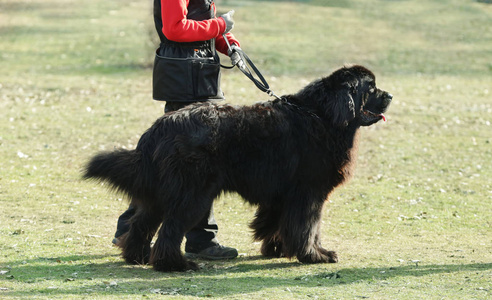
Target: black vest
{"x":186,"y":72}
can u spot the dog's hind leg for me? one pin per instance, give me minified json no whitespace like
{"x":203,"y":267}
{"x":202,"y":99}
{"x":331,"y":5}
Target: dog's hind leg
{"x":266,"y":228}
{"x":136,"y":243}
{"x":166,"y":254}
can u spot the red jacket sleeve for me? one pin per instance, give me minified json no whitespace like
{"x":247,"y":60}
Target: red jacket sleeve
{"x":176,"y":27}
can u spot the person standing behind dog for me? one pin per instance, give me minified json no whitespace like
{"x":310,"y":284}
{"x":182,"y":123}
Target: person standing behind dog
{"x":186,"y":71}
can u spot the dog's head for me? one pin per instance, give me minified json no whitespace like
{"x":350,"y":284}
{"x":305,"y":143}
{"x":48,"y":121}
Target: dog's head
{"x":354,"y":97}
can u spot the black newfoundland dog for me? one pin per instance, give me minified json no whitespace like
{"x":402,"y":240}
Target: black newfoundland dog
{"x":285,"y":156}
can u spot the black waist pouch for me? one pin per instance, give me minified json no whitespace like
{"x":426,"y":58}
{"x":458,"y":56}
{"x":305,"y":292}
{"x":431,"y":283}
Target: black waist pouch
{"x":186,"y":79}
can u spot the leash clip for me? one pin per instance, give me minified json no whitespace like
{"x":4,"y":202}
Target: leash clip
{"x":272,"y":94}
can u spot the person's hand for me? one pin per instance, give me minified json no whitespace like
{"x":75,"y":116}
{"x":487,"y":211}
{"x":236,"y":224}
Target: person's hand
{"x":235,"y":57}
{"x":228,"y":20}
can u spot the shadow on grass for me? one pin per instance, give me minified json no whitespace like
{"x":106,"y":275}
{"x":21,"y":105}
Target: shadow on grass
{"x":75,"y":275}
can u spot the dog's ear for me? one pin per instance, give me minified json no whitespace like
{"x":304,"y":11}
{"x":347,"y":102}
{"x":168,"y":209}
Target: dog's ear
{"x":342,"y":106}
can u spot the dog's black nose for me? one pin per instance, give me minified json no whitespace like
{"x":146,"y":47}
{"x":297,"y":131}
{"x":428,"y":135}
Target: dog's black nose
{"x":387,"y":97}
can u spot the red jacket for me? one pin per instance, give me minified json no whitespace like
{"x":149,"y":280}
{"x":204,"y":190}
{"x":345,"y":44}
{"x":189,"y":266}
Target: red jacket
{"x":176,"y":27}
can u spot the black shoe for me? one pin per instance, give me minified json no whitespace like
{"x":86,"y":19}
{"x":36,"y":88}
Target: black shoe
{"x":216,"y":252}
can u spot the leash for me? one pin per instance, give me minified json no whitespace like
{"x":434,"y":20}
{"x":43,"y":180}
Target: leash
{"x":250,"y":70}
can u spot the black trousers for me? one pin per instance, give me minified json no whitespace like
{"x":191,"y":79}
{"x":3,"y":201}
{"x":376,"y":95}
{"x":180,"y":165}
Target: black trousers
{"x":202,"y":236}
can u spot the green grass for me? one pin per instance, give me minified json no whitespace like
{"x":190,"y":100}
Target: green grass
{"x":413,"y":223}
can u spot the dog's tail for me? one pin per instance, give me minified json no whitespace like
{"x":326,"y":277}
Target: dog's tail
{"x":122,"y":169}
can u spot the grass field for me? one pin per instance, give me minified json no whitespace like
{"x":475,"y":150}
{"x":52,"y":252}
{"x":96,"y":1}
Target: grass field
{"x":413,"y":223}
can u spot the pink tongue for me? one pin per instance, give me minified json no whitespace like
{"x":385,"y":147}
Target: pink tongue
{"x":382,"y":116}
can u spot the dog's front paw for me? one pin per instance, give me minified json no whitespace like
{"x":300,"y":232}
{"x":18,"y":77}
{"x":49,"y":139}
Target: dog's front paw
{"x":331,"y":255}
{"x":318,"y":257}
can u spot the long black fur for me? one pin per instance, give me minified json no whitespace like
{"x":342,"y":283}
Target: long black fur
{"x":285,"y":156}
